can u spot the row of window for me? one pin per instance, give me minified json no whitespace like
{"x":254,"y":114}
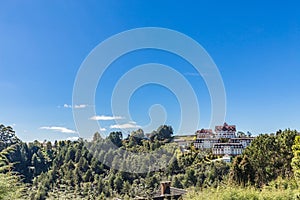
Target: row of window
{"x":222,"y":151}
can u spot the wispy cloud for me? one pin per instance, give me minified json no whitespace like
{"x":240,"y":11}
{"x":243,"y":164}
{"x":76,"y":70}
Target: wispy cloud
{"x":125,"y":126}
{"x":58,"y":129}
{"x":76,"y":106}
{"x":105,"y":118}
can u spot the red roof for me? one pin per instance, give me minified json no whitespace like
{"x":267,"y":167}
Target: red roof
{"x":204,"y":131}
{"x":225,"y":127}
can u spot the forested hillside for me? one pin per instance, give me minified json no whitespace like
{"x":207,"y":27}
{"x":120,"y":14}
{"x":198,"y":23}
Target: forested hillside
{"x":72,"y":169}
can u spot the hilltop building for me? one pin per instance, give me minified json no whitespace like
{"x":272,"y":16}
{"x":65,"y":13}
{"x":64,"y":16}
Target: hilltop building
{"x":223,"y":141}
{"x":225,"y":131}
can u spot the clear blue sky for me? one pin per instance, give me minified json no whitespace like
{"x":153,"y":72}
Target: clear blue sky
{"x":255,"y":44}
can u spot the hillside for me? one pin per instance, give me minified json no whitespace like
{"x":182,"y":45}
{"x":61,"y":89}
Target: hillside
{"x":72,"y":169}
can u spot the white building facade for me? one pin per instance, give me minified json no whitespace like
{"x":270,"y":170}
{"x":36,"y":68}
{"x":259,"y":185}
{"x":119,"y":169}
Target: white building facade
{"x":205,"y":143}
{"x":227,"y":149}
{"x":223,"y":141}
{"x":245,"y":141}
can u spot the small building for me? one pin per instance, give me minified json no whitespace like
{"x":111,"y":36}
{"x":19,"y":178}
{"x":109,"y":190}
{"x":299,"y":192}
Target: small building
{"x":226,"y":158}
{"x":166,"y":192}
{"x":225,"y":131}
{"x":183,"y":143}
{"x":227,"y":148}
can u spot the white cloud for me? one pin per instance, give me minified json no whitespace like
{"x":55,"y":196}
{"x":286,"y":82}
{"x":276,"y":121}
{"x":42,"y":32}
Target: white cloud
{"x":125,"y":126}
{"x":67,"y":106}
{"x":102,"y":129}
{"x":72,"y":138}
{"x":76,"y":106}
{"x":105,"y":118}
{"x":80,"y":106}
{"x":58,"y":129}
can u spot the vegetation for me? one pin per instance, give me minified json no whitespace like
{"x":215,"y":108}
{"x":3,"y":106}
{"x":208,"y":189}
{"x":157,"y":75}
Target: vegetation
{"x":11,"y":187}
{"x":267,"y":158}
{"x":267,"y":169}
{"x":242,"y":193}
{"x":296,"y":159}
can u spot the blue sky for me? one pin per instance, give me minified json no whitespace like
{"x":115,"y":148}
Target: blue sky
{"x":255,"y":44}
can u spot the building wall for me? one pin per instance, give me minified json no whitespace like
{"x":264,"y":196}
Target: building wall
{"x":205,"y":143}
{"x":228,"y":149}
{"x":225,"y":134}
{"x":244,"y":141}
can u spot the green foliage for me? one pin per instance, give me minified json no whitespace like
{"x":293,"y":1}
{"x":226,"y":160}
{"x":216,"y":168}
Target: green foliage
{"x":11,"y":186}
{"x":116,"y":138}
{"x":7,"y":137}
{"x":296,"y":159}
{"x":163,"y":132}
{"x":136,"y":137}
{"x":268,"y":157}
{"x":242,"y":172}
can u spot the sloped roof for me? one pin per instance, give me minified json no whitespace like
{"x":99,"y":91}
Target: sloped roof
{"x":225,"y":127}
{"x":204,"y":131}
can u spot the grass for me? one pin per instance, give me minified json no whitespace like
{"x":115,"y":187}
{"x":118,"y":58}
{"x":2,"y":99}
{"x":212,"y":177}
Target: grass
{"x":236,"y":193}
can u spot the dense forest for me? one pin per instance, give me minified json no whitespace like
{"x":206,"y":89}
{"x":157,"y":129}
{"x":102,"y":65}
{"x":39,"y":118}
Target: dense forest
{"x":72,"y":169}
